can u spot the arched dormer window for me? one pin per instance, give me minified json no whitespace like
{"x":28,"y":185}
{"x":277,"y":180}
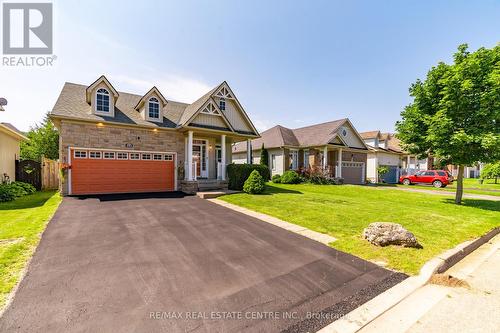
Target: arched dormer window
{"x":222,"y":104}
{"x":153,"y":108}
{"x":102,"y":100}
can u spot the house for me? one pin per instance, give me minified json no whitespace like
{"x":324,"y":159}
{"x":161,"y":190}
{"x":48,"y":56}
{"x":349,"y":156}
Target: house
{"x":385,"y":150}
{"x":10,"y":139}
{"x":117,"y":142}
{"x":335,"y":147}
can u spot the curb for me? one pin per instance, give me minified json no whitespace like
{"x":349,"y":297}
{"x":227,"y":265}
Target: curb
{"x":366,"y":313}
{"x":314,"y":235}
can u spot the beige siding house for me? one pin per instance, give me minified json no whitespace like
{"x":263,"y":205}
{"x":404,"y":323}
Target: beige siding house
{"x":10,"y":139}
{"x":335,"y":147}
{"x":114,"y":142}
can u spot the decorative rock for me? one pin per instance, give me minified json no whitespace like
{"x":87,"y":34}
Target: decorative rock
{"x":386,"y":233}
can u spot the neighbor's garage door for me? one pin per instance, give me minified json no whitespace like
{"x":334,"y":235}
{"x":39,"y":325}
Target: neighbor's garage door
{"x":353,"y":172}
{"x":105,"y":171}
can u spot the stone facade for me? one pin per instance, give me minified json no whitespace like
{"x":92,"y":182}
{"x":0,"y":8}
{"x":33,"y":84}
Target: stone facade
{"x":87,"y":135}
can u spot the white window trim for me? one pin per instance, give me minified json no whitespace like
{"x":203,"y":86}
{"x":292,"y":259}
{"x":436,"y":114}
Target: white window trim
{"x":80,"y":151}
{"x":170,"y":157}
{"x":111,"y":112}
{"x":273,"y":162}
{"x":295,"y":161}
{"x":135,"y":159}
{"x":146,"y":159}
{"x":109,"y":158}
{"x":95,"y":158}
{"x":146,"y":110}
{"x":156,"y":159}
{"x":123,"y":159}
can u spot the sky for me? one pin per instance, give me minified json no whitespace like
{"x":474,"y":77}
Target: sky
{"x":293,"y":63}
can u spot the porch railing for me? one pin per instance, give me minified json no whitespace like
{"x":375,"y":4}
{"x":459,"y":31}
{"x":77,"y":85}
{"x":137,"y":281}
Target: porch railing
{"x":194,"y":168}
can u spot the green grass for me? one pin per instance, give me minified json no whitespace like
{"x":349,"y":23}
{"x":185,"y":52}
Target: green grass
{"x":21,"y":224}
{"x":471,"y":186}
{"x":344,"y":211}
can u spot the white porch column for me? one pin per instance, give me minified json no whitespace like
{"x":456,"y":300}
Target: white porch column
{"x":190,"y":155}
{"x":407,"y":164}
{"x":339,"y":163}
{"x":249,"y":151}
{"x":223,"y":156}
{"x":325,"y":157}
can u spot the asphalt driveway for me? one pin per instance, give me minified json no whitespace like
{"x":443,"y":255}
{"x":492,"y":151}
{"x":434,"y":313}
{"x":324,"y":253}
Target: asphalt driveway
{"x":182,"y":264}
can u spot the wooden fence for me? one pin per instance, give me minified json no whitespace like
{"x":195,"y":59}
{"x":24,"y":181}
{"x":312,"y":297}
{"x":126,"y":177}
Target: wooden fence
{"x":50,"y":174}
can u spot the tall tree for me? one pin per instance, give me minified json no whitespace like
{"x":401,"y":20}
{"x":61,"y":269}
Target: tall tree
{"x":43,"y":140}
{"x":264,"y":156}
{"x":455,"y":113}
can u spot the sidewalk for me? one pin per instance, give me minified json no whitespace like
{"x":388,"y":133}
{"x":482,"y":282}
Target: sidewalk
{"x":437,"y":308}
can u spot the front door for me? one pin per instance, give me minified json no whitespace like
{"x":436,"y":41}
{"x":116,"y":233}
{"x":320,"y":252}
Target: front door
{"x":200,"y":157}
{"x":218,"y":160}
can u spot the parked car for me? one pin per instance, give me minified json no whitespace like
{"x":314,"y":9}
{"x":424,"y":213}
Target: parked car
{"x":438,"y":178}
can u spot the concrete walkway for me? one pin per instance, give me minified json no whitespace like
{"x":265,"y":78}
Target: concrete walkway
{"x":440,"y":192}
{"x":437,"y":308}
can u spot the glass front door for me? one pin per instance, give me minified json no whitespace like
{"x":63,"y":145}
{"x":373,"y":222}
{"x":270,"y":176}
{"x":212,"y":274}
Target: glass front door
{"x":200,"y":156}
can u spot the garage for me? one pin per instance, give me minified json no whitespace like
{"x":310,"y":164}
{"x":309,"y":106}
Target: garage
{"x":353,"y":172}
{"x":101,"y":171}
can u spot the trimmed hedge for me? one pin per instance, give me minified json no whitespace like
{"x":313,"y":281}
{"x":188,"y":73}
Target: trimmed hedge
{"x":290,"y":177}
{"x":255,"y":184}
{"x":238,"y":173}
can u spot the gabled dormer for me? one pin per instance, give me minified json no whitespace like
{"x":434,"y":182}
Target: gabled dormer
{"x":102,"y":96}
{"x":151,"y":105}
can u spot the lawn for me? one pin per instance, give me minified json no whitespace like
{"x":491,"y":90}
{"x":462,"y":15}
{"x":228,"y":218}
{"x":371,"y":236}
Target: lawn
{"x":21,"y":224}
{"x":471,"y":186}
{"x":344,"y":211}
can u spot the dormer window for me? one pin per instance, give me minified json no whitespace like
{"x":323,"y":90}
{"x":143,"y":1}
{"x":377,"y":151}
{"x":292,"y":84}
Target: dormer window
{"x":154,"y":108}
{"x":102,"y":101}
{"x":222,"y":104}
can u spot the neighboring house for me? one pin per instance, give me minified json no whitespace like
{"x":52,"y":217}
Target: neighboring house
{"x":10,"y":139}
{"x":473,"y":171}
{"x":385,"y":150}
{"x":335,"y":147}
{"x":116,"y":142}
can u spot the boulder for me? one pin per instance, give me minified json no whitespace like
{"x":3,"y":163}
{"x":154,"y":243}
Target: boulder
{"x":386,"y":233}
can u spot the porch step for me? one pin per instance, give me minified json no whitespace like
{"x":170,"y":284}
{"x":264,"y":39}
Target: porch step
{"x":213,"y":194}
{"x":210,"y":184}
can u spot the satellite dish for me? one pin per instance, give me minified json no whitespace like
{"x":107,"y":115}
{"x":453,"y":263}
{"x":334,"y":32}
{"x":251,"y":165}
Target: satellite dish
{"x":3,"y":101}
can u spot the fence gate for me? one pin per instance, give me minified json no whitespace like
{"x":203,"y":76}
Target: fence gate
{"x":29,"y":171}
{"x":50,"y":174}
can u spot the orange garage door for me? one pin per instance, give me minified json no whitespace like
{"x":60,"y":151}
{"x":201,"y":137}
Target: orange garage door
{"x":106,"y":171}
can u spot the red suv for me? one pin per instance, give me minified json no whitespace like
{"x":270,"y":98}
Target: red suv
{"x":438,"y":178}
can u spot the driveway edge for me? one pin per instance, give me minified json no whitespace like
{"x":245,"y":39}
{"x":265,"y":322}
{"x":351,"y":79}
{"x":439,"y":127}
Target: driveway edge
{"x":314,"y":235}
{"x":366,"y":313}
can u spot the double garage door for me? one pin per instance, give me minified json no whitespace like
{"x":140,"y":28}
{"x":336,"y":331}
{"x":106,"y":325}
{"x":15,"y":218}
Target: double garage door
{"x":100,"y":171}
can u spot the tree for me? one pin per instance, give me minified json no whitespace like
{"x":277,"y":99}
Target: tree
{"x":491,"y":170}
{"x":43,"y":140}
{"x":455,"y":113}
{"x":381,"y":171}
{"x":264,"y":156}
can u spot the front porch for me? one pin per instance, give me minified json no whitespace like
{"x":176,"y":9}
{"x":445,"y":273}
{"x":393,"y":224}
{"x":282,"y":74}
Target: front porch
{"x":332,"y":161}
{"x":206,"y":156}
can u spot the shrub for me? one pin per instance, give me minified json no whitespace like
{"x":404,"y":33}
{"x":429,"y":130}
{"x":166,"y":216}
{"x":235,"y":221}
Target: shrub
{"x":238,"y":173}
{"x":6,"y":193}
{"x":255,"y":184}
{"x":290,"y":177}
{"x":28,"y":188}
{"x":276,"y":179}
{"x":491,"y":170}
